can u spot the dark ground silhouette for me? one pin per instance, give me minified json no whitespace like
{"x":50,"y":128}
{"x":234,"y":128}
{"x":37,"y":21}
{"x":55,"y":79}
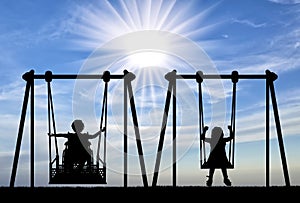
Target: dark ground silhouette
{"x":154,"y":194}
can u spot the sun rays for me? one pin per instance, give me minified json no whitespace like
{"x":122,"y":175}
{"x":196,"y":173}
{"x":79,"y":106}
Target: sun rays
{"x":149,"y":39}
{"x":98,"y":22}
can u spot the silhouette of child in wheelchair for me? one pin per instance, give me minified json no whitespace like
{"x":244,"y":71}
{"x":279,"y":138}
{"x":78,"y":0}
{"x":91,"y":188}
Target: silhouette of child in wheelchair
{"x":77,"y":152}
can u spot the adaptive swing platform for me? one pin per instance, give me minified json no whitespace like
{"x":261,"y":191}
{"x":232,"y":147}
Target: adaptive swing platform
{"x":93,"y":175}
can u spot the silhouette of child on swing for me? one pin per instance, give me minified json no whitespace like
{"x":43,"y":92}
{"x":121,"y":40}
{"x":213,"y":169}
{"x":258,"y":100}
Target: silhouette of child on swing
{"x":217,"y":157}
{"x":78,"y":152}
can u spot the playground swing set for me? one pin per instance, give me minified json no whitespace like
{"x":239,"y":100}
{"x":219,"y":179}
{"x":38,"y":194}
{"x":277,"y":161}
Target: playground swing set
{"x":172,"y":76}
{"x":96,"y":174}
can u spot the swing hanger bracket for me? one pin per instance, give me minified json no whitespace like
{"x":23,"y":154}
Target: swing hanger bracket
{"x":199,"y":76}
{"x":234,"y":76}
{"x":106,"y":76}
{"x":48,"y":76}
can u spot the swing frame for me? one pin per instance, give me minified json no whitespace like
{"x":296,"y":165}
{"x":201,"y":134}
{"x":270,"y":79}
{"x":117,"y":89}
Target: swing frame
{"x":172,"y":76}
{"x":30,"y":77}
{"x":269,"y":77}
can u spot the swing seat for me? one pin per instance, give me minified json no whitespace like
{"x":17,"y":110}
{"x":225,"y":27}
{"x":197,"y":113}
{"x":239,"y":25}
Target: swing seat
{"x":206,"y":165}
{"x":69,"y":172}
{"x":91,"y":175}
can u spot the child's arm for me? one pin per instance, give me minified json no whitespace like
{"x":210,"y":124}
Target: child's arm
{"x":230,"y":134}
{"x":97,"y":133}
{"x":202,"y":136}
{"x":66,"y":135}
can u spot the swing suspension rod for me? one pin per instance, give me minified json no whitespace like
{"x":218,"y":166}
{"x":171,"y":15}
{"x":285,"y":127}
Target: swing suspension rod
{"x":106,"y":79}
{"x":231,"y":127}
{"x":51,"y":118}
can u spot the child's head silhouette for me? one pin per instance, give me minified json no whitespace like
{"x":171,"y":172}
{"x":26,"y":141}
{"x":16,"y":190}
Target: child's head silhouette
{"x":217,"y":133}
{"x":77,"y":126}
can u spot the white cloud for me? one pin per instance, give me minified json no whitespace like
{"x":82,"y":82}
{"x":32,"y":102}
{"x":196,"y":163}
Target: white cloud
{"x":12,"y":91}
{"x":252,"y":125}
{"x":249,"y":23}
{"x":225,"y":36}
{"x":285,"y":1}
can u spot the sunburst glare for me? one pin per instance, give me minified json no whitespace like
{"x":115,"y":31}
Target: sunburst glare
{"x":148,"y":38}
{"x":97,"y":23}
{"x":146,"y":59}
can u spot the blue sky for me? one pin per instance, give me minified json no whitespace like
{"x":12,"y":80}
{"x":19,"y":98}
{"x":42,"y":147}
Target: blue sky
{"x":151,"y":38}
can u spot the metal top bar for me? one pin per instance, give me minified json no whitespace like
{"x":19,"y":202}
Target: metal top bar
{"x":106,"y":75}
{"x":210,"y":76}
{"x":234,"y":76}
{"x":78,"y":76}
{"x":48,"y":76}
{"x":93,"y":76}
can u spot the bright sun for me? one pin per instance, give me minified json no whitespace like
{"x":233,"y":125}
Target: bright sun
{"x":147,"y":59}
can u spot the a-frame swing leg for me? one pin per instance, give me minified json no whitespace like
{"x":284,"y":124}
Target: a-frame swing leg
{"x":174,"y":123}
{"x":20,"y":134}
{"x":171,"y":77}
{"x":267,"y":133}
{"x":271,"y":78}
{"x":32,"y":132}
{"x":125,"y":135}
{"x":29,"y":84}
{"x":128,"y":78}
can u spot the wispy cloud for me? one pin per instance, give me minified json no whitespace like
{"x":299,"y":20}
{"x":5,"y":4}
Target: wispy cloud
{"x":285,"y":1}
{"x":278,"y":52}
{"x":12,"y":91}
{"x":249,"y":23}
{"x":251,"y":121}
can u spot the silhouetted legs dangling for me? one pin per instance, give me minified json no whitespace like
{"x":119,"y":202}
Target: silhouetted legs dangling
{"x":211,"y":174}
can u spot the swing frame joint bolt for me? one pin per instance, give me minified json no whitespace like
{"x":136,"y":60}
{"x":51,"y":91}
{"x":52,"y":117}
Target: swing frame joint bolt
{"x":129,"y":76}
{"x":171,"y":76}
{"x":106,"y":76}
{"x":271,"y":75}
{"x":234,"y":76}
{"x":48,"y":76}
{"x":28,"y":75}
{"x":199,"y":76}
